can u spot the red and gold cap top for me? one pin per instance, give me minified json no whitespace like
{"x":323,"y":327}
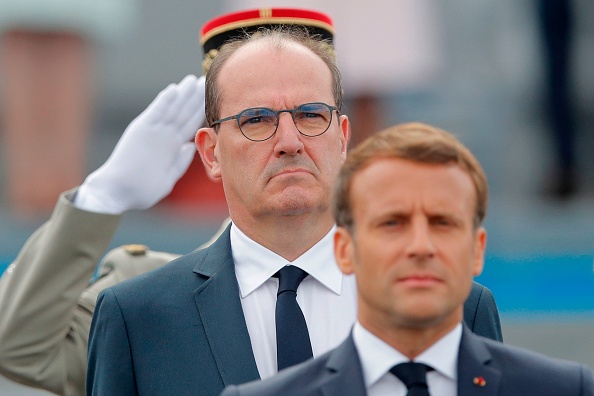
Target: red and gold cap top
{"x":222,"y":28}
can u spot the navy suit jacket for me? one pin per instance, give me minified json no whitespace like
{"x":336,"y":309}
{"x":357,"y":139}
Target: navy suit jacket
{"x":506,"y":371}
{"x":180,"y":329}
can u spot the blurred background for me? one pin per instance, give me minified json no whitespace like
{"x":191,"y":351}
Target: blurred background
{"x":491,"y":84}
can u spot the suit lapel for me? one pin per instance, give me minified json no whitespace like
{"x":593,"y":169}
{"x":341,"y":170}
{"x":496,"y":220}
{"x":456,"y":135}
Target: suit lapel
{"x":222,"y":316}
{"x":475,"y":374}
{"x":344,"y":372}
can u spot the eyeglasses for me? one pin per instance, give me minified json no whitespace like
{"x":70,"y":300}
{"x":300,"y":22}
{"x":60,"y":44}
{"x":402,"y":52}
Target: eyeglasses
{"x":260,"y":123}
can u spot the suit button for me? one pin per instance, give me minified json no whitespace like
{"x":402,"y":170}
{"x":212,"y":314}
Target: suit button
{"x":135,"y":250}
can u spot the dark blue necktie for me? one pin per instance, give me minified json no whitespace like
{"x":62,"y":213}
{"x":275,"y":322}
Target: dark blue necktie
{"x":414,"y":376}
{"x":292,"y":338}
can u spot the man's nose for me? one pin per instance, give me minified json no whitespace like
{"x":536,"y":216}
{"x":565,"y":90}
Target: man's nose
{"x":421,"y":242}
{"x":288,"y":138}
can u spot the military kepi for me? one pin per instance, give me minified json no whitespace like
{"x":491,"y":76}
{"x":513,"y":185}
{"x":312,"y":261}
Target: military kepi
{"x":219,"y":30}
{"x":222,"y":28}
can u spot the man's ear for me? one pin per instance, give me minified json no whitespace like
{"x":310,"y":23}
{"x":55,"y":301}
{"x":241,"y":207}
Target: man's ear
{"x":345,"y":134}
{"x":479,"y":252}
{"x":206,"y":142}
{"x":344,"y":250}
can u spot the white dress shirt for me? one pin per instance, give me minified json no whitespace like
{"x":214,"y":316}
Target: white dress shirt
{"x":377,"y":358}
{"x":327,"y":298}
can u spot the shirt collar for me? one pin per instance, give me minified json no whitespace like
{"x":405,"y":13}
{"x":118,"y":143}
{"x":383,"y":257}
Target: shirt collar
{"x":443,"y":355}
{"x":255,"y":264}
{"x":377,"y":357}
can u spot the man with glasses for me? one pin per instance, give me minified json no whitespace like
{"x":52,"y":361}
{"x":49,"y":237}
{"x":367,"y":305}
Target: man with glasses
{"x":46,"y":299}
{"x":267,"y":294}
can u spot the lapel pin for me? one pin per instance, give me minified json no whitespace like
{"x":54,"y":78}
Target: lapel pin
{"x":479,"y":381}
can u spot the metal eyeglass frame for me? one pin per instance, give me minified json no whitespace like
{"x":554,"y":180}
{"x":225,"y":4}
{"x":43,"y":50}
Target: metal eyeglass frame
{"x":277,"y":113}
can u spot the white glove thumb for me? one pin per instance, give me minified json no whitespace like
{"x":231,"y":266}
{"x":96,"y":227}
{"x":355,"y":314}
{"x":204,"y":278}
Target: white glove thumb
{"x":152,"y":154}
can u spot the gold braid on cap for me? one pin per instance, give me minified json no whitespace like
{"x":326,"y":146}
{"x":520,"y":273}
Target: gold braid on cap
{"x":329,"y":49}
{"x":208,"y":58}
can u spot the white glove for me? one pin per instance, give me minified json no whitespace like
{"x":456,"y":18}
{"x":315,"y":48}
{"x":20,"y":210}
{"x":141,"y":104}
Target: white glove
{"x":152,"y":154}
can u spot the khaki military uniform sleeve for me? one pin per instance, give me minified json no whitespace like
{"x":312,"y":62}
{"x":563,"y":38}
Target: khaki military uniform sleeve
{"x":120,"y":264}
{"x":44,"y":331}
{"x":46,"y":302}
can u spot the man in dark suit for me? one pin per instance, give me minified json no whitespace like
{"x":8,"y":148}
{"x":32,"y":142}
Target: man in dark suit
{"x":409,"y":205}
{"x":208,"y":319}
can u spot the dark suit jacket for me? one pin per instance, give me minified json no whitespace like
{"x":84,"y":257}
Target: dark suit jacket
{"x":180,"y":329}
{"x":506,"y":370}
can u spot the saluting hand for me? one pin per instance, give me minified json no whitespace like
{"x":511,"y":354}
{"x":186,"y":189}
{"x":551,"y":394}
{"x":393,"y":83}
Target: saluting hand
{"x":153,"y":153}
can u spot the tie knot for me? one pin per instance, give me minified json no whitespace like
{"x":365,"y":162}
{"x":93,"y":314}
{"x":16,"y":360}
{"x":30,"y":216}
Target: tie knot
{"x":412,"y":374}
{"x":289,"y":278}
